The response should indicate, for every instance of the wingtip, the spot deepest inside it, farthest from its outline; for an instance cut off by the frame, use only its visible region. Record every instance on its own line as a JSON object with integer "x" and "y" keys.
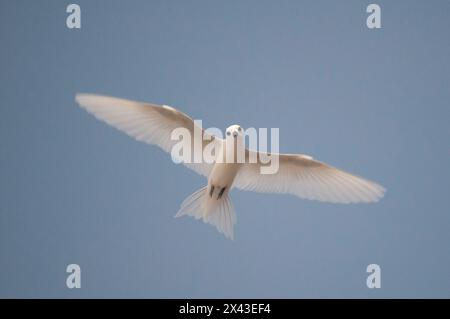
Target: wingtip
{"x": 382, "y": 192}
{"x": 80, "y": 98}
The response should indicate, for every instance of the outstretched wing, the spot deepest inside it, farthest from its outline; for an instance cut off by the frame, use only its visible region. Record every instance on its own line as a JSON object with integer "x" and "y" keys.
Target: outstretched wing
{"x": 149, "y": 123}
{"x": 307, "y": 178}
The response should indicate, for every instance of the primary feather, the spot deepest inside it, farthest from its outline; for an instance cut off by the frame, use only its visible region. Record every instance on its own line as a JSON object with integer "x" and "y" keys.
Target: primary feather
{"x": 149, "y": 123}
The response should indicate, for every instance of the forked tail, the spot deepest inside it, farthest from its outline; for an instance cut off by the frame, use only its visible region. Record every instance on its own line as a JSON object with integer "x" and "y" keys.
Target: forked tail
{"x": 217, "y": 212}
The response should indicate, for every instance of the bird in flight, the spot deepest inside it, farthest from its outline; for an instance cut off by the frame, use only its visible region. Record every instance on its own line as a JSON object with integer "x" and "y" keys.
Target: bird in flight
{"x": 297, "y": 174}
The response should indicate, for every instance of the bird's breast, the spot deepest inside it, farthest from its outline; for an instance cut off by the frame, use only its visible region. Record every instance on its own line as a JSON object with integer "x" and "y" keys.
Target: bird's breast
{"x": 223, "y": 174}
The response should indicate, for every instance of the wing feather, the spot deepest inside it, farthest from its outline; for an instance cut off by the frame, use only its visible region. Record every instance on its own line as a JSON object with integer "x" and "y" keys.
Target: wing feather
{"x": 302, "y": 176}
{"x": 148, "y": 123}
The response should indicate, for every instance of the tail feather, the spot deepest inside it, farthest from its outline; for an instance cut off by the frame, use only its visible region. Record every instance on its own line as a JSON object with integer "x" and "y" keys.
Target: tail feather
{"x": 192, "y": 205}
{"x": 219, "y": 213}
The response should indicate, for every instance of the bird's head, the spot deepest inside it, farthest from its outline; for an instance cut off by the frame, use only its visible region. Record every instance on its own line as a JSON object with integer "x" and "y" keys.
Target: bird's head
{"x": 235, "y": 132}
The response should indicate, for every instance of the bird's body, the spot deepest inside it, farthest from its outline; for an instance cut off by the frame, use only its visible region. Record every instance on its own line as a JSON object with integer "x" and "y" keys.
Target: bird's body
{"x": 224, "y": 171}
{"x": 298, "y": 174}
{"x": 212, "y": 203}
{"x": 222, "y": 177}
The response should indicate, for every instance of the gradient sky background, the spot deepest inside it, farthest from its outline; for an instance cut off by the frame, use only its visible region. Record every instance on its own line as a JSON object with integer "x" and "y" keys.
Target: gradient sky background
{"x": 373, "y": 102}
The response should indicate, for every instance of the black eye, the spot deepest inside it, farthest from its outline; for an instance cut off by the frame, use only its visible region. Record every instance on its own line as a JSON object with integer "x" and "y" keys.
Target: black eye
{"x": 228, "y": 133}
{"x": 240, "y": 129}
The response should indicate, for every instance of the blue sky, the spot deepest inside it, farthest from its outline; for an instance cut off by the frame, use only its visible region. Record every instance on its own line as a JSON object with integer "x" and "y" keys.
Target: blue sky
{"x": 373, "y": 102}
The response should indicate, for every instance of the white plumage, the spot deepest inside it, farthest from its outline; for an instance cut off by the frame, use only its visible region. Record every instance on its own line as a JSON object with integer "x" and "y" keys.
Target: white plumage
{"x": 298, "y": 174}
